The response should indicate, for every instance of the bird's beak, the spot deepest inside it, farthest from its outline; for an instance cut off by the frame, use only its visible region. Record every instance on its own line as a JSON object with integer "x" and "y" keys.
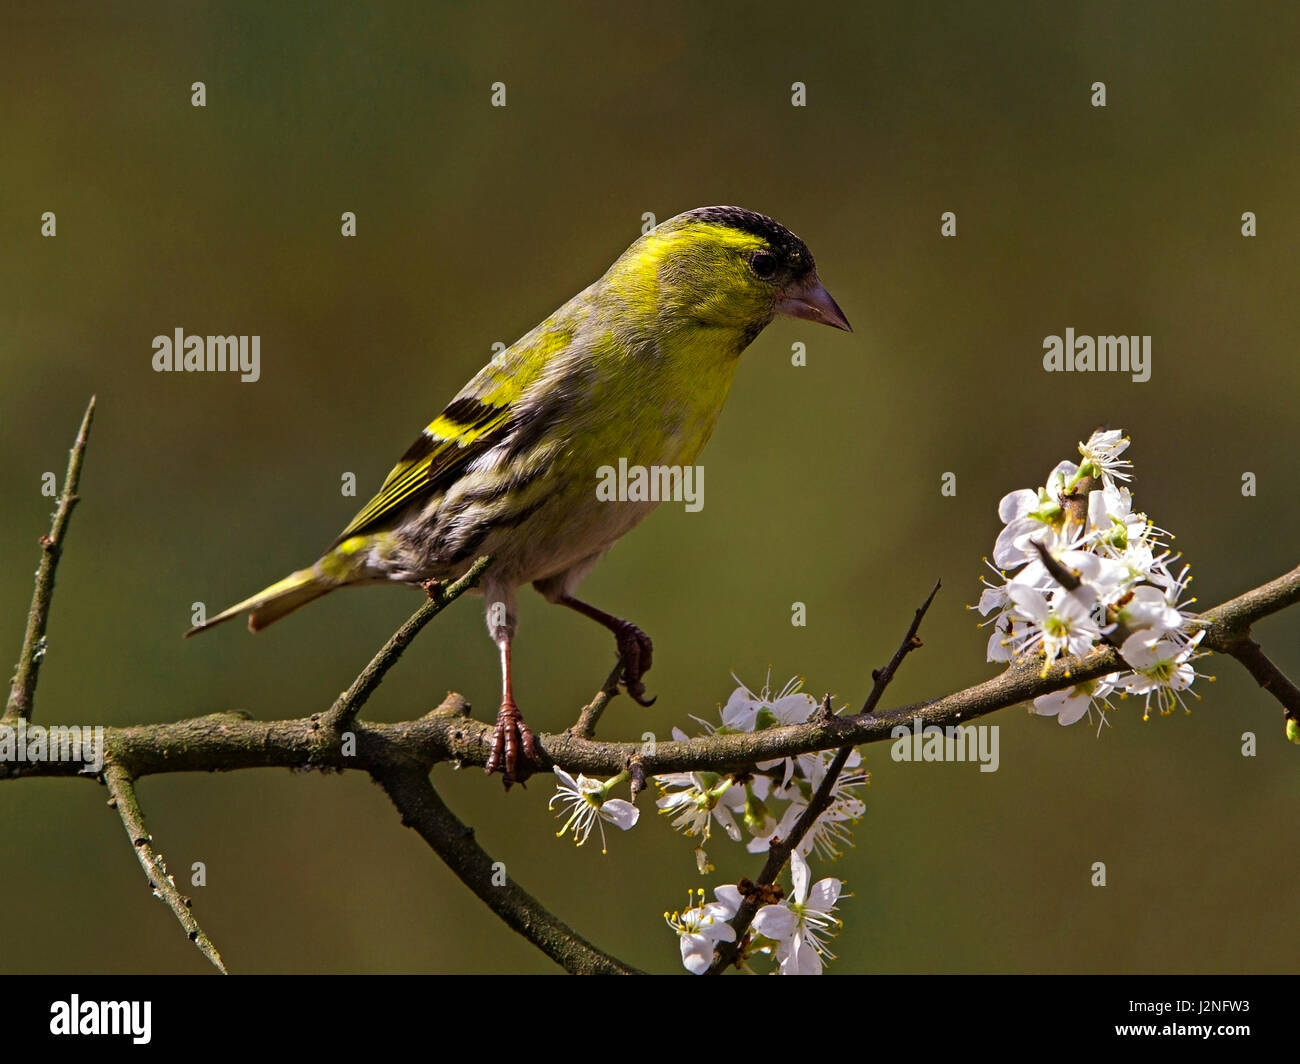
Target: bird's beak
{"x": 810, "y": 300}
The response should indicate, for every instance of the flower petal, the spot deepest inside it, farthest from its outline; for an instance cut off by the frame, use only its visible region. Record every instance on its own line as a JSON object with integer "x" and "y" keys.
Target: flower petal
{"x": 697, "y": 953}
{"x": 1017, "y": 504}
{"x": 824, "y": 894}
{"x": 804, "y": 958}
{"x": 799, "y": 877}
{"x": 729, "y": 897}
{"x": 775, "y": 922}
{"x": 1073, "y": 710}
{"x": 622, "y": 814}
{"x": 793, "y": 709}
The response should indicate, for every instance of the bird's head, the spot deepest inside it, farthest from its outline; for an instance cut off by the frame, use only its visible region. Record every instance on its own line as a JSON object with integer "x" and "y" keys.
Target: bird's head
{"x": 724, "y": 267}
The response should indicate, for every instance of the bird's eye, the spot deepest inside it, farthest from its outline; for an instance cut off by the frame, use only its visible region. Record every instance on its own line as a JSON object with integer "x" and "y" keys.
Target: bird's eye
{"x": 764, "y": 265}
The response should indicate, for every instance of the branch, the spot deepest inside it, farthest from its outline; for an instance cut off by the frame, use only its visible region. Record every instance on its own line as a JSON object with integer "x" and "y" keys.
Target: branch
{"x": 1227, "y": 630}
{"x": 881, "y": 678}
{"x": 123, "y": 799}
{"x": 1067, "y": 578}
{"x": 1235, "y": 616}
{"x": 779, "y": 851}
{"x": 400, "y": 756}
{"x": 339, "y": 717}
{"x": 23, "y": 688}
{"x": 226, "y": 741}
{"x": 424, "y": 810}
{"x": 1269, "y": 676}
{"x": 585, "y": 726}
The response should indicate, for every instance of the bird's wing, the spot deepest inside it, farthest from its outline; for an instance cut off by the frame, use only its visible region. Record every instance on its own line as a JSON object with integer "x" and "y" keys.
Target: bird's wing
{"x": 464, "y": 430}
{"x": 485, "y": 412}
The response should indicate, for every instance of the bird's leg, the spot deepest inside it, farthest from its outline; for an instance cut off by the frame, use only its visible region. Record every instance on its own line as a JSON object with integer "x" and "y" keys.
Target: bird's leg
{"x": 634, "y": 646}
{"x": 512, "y": 735}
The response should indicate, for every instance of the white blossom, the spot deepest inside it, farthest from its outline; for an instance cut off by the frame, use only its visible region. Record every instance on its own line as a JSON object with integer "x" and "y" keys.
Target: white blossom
{"x": 701, "y": 926}
{"x": 1121, "y": 586}
{"x": 588, "y": 804}
{"x": 801, "y": 923}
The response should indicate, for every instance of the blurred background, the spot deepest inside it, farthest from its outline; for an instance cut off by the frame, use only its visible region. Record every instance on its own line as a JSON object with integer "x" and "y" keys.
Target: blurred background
{"x": 823, "y": 482}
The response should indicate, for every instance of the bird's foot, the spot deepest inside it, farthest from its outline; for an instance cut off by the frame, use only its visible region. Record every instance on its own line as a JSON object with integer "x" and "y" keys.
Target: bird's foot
{"x": 511, "y": 737}
{"x": 636, "y": 651}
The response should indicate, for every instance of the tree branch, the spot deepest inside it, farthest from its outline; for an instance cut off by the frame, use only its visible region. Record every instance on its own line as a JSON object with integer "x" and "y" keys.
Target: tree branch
{"x": 227, "y": 741}
{"x": 1234, "y": 617}
{"x": 1267, "y": 675}
{"x": 881, "y": 678}
{"x": 23, "y": 688}
{"x": 424, "y": 810}
{"x": 400, "y": 756}
{"x": 123, "y": 799}
{"x": 339, "y": 717}
{"x": 1228, "y": 630}
{"x": 585, "y": 726}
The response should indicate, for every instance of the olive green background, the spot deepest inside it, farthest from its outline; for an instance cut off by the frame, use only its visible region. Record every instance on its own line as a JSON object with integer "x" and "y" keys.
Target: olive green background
{"x": 822, "y": 483}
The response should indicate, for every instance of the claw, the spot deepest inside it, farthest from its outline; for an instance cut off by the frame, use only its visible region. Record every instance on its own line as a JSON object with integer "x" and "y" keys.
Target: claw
{"x": 510, "y": 737}
{"x": 637, "y": 652}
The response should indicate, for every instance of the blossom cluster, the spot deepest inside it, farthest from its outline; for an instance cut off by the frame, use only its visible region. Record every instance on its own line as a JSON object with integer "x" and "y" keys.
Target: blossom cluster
{"x": 1079, "y": 566}
{"x": 755, "y": 808}
{"x": 749, "y": 804}
{"x": 793, "y": 929}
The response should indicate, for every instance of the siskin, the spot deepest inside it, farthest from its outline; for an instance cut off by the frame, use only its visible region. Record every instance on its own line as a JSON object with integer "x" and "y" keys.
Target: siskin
{"x": 637, "y": 366}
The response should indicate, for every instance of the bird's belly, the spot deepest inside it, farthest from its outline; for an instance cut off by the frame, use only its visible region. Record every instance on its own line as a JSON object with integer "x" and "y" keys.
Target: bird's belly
{"x": 562, "y": 533}
{"x": 559, "y": 522}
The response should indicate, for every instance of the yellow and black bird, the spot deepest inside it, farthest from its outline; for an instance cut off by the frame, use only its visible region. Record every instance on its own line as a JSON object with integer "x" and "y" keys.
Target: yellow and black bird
{"x": 637, "y": 366}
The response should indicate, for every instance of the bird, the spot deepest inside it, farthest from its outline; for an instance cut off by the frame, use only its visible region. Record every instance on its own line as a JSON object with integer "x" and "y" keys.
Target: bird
{"x": 637, "y": 366}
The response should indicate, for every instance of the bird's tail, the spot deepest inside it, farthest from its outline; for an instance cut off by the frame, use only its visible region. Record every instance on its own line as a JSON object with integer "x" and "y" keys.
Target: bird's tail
{"x": 345, "y": 564}
{"x": 274, "y": 602}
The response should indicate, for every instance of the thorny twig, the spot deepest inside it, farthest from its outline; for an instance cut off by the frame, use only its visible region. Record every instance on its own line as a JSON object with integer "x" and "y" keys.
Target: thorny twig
{"x": 23, "y": 688}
